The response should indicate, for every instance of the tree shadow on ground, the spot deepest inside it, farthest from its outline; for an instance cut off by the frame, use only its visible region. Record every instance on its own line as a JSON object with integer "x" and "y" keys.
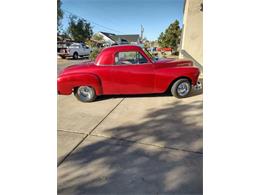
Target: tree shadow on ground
{"x": 118, "y": 164}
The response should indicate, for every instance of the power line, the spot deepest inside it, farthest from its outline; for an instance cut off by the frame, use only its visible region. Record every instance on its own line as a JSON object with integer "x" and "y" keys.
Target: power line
{"x": 93, "y": 22}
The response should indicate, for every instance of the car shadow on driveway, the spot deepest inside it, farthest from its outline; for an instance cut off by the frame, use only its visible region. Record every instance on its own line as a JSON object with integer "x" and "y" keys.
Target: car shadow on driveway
{"x": 108, "y": 165}
{"x": 167, "y": 94}
{"x": 192, "y": 93}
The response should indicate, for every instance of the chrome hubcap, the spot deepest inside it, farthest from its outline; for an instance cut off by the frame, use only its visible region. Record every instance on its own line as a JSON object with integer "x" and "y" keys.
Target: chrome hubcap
{"x": 183, "y": 89}
{"x": 85, "y": 93}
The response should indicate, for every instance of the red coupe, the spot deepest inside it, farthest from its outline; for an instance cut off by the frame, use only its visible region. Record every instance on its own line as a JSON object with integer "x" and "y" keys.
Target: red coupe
{"x": 127, "y": 69}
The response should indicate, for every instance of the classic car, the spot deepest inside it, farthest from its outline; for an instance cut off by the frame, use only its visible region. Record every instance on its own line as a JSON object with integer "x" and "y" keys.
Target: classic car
{"x": 127, "y": 69}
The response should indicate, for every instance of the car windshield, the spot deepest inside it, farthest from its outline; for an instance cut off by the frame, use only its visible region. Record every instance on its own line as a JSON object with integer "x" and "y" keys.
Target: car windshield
{"x": 149, "y": 54}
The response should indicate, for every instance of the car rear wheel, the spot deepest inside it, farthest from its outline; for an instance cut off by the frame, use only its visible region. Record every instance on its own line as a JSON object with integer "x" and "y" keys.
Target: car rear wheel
{"x": 85, "y": 94}
{"x": 75, "y": 55}
{"x": 181, "y": 88}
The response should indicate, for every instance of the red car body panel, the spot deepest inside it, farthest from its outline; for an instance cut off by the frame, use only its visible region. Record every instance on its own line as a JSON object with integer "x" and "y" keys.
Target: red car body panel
{"x": 107, "y": 78}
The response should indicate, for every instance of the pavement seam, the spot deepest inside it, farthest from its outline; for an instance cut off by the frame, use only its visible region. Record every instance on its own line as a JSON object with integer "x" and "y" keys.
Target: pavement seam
{"x": 148, "y": 144}
{"x": 86, "y": 135}
{"x": 74, "y": 148}
{"x": 68, "y": 131}
{"x": 106, "y": 116}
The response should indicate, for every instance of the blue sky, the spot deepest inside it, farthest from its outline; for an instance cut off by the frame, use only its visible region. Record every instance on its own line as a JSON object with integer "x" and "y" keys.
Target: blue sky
{"x": 126, "y": 16}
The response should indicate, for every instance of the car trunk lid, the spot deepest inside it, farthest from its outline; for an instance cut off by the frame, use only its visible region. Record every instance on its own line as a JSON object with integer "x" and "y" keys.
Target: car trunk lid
{"x": 77, "y": 68}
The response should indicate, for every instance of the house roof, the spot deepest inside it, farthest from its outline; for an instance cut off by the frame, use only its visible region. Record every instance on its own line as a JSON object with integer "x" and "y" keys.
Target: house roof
{"x": 109, "y": 35}
{"x": 129, "y": 38}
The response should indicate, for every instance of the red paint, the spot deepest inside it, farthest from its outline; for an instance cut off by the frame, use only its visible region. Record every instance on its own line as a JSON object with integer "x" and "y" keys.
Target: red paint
{"x": 107, "y": 78}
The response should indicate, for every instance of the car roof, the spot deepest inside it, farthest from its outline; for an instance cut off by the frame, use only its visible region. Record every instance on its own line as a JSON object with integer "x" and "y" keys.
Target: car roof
{"x": 123, "y": 47}
{"x": 106, "y": 56}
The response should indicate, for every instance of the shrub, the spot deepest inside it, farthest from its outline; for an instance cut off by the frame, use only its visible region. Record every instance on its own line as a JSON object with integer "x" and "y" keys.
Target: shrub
{"x": 94, "y": 53}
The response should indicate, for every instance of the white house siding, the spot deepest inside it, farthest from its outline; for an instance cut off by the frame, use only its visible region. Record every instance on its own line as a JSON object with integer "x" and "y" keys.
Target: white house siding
{"x": 192, "y": 35}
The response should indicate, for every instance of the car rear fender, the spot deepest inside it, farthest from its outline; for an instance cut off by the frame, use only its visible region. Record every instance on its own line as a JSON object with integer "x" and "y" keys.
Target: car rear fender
{"x": 68, "y": 83}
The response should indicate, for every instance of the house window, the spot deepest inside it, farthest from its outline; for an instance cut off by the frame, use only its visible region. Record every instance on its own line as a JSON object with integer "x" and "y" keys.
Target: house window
{"x": 130, "y": 57}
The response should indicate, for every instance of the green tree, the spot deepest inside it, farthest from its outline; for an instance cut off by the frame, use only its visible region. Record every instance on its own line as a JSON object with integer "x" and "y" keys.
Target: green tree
{"x": 171, "y": 37}
{"x": 161, "y": 40}
{"x": 94, "y": 53}
{"x": 59, "y": 15}
{"x": 79, "y": 29}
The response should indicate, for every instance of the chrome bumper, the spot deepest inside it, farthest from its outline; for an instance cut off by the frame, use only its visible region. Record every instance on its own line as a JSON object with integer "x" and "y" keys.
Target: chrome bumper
{"x": 198, "y": 86}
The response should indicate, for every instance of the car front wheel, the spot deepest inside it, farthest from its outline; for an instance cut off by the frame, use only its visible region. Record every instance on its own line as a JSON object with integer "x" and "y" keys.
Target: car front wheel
{"x": 85, "y": 94}
{"x": 181, "y": 88}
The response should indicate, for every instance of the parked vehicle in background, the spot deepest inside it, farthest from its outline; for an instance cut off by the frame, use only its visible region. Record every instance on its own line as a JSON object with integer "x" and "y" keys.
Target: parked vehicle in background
{"x": 74, "y": 50}
{"x": 164, "y": 49}
{"x": 62, "y": 45}
{"x": 127, "y": 69}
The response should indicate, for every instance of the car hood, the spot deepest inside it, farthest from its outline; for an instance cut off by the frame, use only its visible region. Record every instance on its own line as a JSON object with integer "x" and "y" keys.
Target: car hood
{"x": 172, "y": 62}
{"x": 165, "y": 60}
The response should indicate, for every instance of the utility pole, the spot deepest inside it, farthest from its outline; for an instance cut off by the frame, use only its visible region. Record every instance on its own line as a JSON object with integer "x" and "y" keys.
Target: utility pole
{"x": 142, "y": 32}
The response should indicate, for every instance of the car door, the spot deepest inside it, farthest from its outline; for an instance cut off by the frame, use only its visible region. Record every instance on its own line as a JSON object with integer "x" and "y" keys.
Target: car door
{"x": 81, "y": 50}
{"x": 132, "y": 73}
{"x": 87, "y": 50}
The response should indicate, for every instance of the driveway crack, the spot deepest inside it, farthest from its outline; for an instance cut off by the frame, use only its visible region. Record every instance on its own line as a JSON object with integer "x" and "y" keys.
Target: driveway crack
{"x": 149, "y": 144}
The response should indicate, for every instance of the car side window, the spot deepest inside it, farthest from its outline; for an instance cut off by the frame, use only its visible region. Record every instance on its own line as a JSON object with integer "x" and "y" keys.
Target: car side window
{"x": 75, "y": 46}
{"x": 141, "y": 58}
{"x": 130, "y": 57}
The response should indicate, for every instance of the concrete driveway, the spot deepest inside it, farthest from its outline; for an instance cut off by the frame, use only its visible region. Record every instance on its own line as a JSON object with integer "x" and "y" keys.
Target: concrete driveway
{"x": 148, "y": 144}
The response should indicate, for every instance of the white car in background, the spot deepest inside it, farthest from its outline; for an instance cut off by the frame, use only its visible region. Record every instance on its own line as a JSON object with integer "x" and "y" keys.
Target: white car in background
{"x": 75, "y": 50}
